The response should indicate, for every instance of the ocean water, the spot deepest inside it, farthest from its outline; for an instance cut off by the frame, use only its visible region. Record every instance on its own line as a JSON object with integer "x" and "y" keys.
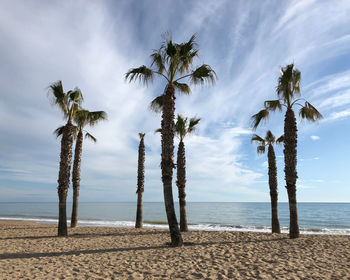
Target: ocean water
{"x": 314, "y": 218}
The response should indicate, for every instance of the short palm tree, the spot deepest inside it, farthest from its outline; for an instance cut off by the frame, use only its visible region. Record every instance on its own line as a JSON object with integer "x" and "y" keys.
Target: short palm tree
{"x": 173, "y": 62}
{"x": 288, "y": 89}
{"x": 183, "y": 127}
{"x": 140, "y": 180}
{"x": 269, "y": 141}
{"x": 69, "y": 104}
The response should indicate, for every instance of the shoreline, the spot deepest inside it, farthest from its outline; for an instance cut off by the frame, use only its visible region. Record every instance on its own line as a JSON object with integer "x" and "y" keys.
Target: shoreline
{"x": 31, "y": 250}
{"x": 192, "y": 227}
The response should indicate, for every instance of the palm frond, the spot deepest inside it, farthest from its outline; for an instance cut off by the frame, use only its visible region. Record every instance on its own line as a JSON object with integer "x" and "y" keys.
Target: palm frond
{"x": 75, "y": 107}
{"x": 257, "y": 118}
{"x": 183, "y": 88}
{"x": 273, "y": 105}
{"x": 173, "y": 68}
{"x": 188, "y": 47}
{"x": 96, "y": 116}
{"x": 59, "y": 131}
{"x": 143, "y": 74}
{"x": 81, "y": 117}
{"x": 170, "y": 48}
{"x": 260, "y": 149}
{"x": 180, "y": 126}
{"x": 280, "y": 139}
{"x": 59, "y": 98}
{"x": 192, "y": 124}
{"x": 158, "y": 61}
{"x": 309, "y": 112}
{"x": 187, "y": 53}
{"x": 76, "y": 96}
{"x": 257, "y": 139}
{"x": 203, "y": 74}
{"x": 296, "y": 81}
{"x": 158, "y": 130}
{"x": 157, "y": 104}
{"x": 288, "y": 83}
{"x": 187, "y": 61}
{"x": 89, "y": 136}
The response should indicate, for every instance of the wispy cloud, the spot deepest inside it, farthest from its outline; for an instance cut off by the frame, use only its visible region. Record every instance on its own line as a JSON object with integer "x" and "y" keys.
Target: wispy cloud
{"x": 338, "y": 115}
{"x": 315, "y": 137}
{"x": 300, "y": 186}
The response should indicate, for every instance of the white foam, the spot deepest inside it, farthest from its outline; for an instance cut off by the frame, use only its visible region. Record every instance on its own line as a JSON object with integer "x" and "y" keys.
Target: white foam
{"x": 199, "y": 227}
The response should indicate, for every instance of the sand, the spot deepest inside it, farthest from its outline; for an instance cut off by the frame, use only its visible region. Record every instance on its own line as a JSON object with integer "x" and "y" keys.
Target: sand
{"x": 32, "y": 251}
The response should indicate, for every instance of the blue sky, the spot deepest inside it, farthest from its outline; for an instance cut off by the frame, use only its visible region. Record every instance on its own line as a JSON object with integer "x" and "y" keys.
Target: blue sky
{"x": 91, "y": 44}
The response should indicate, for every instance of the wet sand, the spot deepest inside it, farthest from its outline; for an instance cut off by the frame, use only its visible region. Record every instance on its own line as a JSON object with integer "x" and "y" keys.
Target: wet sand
{"x": 32, "y": 251}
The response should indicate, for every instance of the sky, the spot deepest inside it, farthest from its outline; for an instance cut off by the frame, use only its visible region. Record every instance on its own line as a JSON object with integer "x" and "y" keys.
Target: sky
{"x": 92, "y": 44}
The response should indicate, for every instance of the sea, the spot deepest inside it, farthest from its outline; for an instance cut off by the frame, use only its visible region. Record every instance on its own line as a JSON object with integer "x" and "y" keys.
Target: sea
{"x": 314, "y": 218}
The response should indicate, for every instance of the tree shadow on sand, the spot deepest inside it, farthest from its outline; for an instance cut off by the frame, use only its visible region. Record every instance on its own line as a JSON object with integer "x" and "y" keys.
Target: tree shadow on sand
{"x": 87, "y": 235}
{"x": 116, "y": 250}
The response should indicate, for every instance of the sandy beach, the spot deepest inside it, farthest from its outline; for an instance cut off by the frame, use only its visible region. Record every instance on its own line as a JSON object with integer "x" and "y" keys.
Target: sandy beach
{"x": 32, "y": 251}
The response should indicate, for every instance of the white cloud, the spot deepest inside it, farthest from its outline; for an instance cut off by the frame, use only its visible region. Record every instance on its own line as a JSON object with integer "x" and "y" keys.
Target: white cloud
{"x": 338, "y": 115}
{"x": 301, "y": 186}
{"x": 315, "y": 137}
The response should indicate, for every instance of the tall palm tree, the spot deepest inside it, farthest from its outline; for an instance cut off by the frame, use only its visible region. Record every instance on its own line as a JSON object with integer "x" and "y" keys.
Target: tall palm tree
{"x": 173, "y": 62}
{"x": 288, "y": 89}
{"x": 82, "y": 119}
{"x": 269, "y": 141}
{"x": 69, "y": 104}
{"x": 183, "y": 127}
{"x": 140, "y": 180}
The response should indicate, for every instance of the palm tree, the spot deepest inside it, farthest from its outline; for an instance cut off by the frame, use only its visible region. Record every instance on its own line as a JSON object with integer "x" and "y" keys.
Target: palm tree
{"x": 183, "y": 127}
{"x": 173, "y": 62}
{"x": 140, "y": 180}
{"x": 69, "y": 104}
{"x": 269, "y": 141}
{"x": 82, "y": 118}
{"x": 288, "y": 89}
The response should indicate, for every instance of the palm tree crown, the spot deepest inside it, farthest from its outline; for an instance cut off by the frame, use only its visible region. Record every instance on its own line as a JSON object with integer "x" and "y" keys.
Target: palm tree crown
{"x": 174, "y": 62}
{"x": 269, "y": 139}
{"x": 82, "y": 118}
{"x": 288, "y": 89}
{"x": 68, "y": 102}
{"x": 183, "y": 126}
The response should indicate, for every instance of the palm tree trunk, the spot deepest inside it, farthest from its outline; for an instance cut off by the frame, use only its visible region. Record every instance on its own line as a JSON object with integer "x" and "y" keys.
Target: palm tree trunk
{"x": 63, "y": 177}
{"x": 140, "y": 182}
{"x": 290, "y": 161}
{"x": 273, "y": 189}
{"x": 76, "y": 178}
{"x": 181, "y": 184}
{"x": 139, "y": 211}
{"x": 167, "y": 163}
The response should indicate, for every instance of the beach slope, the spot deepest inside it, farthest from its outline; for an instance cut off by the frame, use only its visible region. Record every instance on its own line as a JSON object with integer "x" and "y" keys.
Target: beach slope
{"x": 32, "y": 251}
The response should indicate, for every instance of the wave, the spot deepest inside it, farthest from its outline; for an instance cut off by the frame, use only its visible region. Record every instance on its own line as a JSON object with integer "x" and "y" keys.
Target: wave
{"x": 199, "y": 227}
